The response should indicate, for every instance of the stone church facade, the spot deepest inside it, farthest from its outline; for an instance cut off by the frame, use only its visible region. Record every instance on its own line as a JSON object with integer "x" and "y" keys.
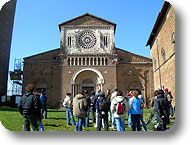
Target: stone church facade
{"x": 88, "y": 59}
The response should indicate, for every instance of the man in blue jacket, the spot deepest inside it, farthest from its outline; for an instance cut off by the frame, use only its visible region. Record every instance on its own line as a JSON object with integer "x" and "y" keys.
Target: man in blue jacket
{"x": 43, "y": 99}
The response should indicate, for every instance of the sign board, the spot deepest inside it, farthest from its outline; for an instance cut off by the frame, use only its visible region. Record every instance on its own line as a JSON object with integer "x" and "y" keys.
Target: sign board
{"x": 17, "y": 99}
{"x": 3, "y": 98}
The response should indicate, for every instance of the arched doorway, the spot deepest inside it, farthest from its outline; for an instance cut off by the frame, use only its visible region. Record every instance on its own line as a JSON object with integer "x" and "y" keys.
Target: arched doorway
{"x": 87, "y": 78}
{"x": 88, "y": 84}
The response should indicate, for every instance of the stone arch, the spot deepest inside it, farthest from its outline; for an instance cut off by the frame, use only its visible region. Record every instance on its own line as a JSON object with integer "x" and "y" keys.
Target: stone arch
{"x": 86, "y": 73}
{"x": 101, "y": 78}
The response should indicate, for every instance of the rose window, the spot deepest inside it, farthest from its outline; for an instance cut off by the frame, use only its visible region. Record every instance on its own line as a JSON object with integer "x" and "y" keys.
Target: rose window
{"x": 86, "y": 39}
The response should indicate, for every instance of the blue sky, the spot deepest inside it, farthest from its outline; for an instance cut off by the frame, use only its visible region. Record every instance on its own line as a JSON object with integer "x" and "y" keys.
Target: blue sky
{"x": 36, "y": 23}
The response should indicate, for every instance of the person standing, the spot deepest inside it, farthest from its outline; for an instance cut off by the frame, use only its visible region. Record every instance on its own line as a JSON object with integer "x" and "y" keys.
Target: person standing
{"x": 113, "y": 95}
{"x": 108, "y": 97}
{"x": 92, "y": 106}
{"x": 102, "y": 107}
{"x": 39, "y": 119}
{"x": 162, "y": 110}
{"x": 88, "y": 103}
{"x": 29, "y": 107}
{"x": 169, "y": 97}
{"x": 68, "y": 106}
{"x": 153, "y": 112}
{"x": 80, "y": 109}
{"x": 119, "y": 107}
{"x": 135, "y": 108}
{"x": 95, "y": 100}
{"x": 142, "y": 107}
{"x": 43, "y": 99}
{"x": 129, "y": 95}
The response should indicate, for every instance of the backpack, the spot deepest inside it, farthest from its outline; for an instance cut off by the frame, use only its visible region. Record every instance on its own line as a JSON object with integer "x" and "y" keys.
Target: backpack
{"x": 81, "y": 105}
{"x": 65, "y": 103}
{"x": 103, "y": 105}
{"x": 120, "y": 108}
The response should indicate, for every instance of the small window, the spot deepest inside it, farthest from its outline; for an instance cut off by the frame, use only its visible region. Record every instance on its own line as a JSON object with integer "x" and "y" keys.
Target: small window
{"x": 163, "y": 54}
{"x": 105, "y": 40}
{"x": 69, "y": 41}
{"x": 154, "y": 62}
{"x": 173, "y": 37}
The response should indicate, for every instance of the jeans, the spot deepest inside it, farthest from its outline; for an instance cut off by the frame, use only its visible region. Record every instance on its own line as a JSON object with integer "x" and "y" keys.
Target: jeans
{"x": 129, "y": 119}
{"x": 120, "y": 123}
{"x": 87, "y": 118}
{"x": 44, "y": 110}
{"x": 171, "y": 110}
{"x": 143, "y": 123}
{"x": 161, "y": 123}
{"x": 150, "y": 118}
{"x": 92, "y": 113}
{"x": 99, "y": 125}
{"x": 69, "y": 111}
{"x": 135, "y": 118}
{"x": 30, "y": 120}
{"x": 113, "y": 121}
{"x": 109, "y": 115}
{"x": 79, "y": 122}
{"x": 41, "y": 125}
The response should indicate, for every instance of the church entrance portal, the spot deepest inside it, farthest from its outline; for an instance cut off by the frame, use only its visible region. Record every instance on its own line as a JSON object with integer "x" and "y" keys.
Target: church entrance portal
{"x": 88, "y": 84}
{"x": 87, "y": 79}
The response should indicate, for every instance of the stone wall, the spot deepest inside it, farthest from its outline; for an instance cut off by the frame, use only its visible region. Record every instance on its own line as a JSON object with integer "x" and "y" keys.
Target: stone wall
{"x": 7, "y": 14}
{"x": 166, "y": 45}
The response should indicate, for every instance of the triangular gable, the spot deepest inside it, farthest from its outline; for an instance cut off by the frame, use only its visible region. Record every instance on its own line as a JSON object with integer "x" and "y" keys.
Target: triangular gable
{"x": 87, "y": 19}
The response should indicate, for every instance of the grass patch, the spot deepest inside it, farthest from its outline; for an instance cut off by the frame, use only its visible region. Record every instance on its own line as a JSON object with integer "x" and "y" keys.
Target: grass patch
{"x": 56, "y": 121}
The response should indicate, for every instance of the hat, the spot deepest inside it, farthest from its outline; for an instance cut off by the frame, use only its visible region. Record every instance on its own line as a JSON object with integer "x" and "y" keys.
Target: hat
{"x": 102, "y": 94}
{"x": 166, "y": 89}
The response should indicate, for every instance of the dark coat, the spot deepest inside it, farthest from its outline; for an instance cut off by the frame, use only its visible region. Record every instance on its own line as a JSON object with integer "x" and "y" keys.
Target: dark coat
{"x": 99, "y": 101}
{"x": 29, "y": 104}
{"x": 162, "y": 105}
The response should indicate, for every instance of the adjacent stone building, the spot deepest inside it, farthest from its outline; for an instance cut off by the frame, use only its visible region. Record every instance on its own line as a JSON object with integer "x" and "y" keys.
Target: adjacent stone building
{"x": 162, "y": 47}
{"x": 87, "y": 59}
{"x": 7, "y": 13}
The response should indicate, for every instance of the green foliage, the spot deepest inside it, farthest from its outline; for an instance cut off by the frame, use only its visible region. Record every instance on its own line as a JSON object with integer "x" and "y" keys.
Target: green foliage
{"x": 56, "y": 121}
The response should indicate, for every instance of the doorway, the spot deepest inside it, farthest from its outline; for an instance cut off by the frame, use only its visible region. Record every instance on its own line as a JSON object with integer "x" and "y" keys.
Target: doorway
{"x": 88, "y": 84}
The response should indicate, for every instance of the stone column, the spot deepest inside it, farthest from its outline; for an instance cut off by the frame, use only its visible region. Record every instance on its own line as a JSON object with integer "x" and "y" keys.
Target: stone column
{"x": 85, "y": 63}
{"x": 93, "y": 61}
{"x": 97, "y": 61}
{"x": 73, "y": 90}
{"x": 89, "y": 61}
{"x": 78, "y": 61}
{"x": 70, "y": 60}
{"x": 81, "y": 61}
{"x": 101, "y": 61}
{"x": 74, "y": 61}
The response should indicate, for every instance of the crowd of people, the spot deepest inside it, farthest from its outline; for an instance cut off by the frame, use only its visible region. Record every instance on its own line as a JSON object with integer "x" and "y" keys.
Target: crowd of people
{"x": 104, "y": 108}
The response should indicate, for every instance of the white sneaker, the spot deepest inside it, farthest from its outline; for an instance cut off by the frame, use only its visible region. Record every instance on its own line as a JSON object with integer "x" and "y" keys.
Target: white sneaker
{"x": 95, "y": 126}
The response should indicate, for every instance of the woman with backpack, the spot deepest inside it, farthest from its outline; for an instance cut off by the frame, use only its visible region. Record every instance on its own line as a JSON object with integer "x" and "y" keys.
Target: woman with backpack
{"x": 119, "y": 107}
